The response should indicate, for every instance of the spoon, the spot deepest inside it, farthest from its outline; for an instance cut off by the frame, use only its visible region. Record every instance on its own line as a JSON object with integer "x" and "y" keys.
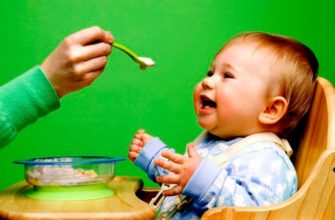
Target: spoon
{"x": 143, "y": 61}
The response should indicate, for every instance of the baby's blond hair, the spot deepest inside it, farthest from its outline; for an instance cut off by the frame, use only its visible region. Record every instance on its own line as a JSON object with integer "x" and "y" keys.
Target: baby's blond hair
{"x": 296, "y": 67}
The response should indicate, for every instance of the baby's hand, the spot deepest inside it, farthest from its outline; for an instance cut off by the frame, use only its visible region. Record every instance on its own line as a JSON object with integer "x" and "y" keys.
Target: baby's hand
{"x": 78, "y": 60}
{"x": 141, "y": 138}
{"x": 182, "y": 168}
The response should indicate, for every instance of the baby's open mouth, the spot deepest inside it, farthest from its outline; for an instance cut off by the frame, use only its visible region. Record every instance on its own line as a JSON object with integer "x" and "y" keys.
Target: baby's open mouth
{"x": 207, "y": 102}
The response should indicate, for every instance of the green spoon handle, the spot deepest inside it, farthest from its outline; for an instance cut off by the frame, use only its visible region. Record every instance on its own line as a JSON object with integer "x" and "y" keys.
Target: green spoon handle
{"x": 125, "y": 49}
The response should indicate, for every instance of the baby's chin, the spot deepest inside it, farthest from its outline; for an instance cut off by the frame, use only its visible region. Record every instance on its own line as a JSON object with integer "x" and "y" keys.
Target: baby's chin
{"x": 203, "y": 124}
{"x": 206, "y": 126}
{"x": 212, "y": 129}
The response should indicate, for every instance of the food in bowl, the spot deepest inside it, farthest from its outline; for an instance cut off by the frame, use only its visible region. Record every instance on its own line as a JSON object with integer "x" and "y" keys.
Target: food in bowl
{"x": 69, "y": 171}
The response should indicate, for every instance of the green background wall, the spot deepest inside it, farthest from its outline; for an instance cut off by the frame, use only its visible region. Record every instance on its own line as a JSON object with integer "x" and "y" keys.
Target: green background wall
{"x": 180, "y": 35}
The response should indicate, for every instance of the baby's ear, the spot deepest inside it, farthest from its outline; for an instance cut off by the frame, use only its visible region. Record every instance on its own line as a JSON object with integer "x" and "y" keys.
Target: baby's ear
{"x": 273, "y": 111}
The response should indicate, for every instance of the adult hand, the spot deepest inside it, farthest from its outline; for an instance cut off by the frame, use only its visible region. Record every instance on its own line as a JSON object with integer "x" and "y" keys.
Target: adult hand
{"x": 78, "y": 60}
{"x": 181, "y": 168}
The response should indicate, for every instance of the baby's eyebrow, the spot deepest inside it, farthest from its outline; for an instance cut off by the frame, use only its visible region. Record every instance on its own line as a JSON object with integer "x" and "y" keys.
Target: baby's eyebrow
{"x": 228, "y": 66}
{"x": 224, "y": 65}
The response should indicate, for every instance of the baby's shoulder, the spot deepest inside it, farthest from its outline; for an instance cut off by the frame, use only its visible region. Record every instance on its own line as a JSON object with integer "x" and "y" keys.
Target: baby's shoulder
{"x": 263, "y": 152}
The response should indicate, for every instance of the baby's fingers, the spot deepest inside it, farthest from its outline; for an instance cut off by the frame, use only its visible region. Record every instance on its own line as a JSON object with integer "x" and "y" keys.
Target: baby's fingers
{"x": 168, "y": 165}
{"x": 191, "y": 151}
{"x": 168, "y": 179}
{"x": 132, "y": 155}
{"x": 174, "y": 191}
{"x": 177, "y": 158}
{"x": 141, "y": 131}
{"x": 137, "y": 142}
{"x": 135, "y": 148}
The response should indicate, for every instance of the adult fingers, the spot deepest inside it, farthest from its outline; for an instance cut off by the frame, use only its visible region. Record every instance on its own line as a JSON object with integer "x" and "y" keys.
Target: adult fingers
{"x": 92, "y": 65}
{"x": 91, "y": 34}
{"x": 86, "y": 79}
{"x": 94, "y": 50}
{"x": 78, "y": 82}
{"x": 91, "y": 76}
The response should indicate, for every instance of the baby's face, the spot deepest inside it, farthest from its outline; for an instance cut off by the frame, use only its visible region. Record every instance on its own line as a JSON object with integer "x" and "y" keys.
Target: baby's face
{"x": 230, "y": 98}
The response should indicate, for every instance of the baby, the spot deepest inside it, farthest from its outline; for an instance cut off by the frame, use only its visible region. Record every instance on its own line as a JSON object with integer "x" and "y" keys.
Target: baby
{"x": 257, "y": 89}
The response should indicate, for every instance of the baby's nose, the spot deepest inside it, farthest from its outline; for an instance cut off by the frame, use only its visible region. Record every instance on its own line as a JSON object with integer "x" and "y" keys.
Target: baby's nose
{"x": 208, "y": 83}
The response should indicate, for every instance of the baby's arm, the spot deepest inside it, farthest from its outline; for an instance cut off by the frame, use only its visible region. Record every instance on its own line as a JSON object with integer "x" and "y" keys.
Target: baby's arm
{"x": 181, "y": 168}
{"x": 255, "y": 178}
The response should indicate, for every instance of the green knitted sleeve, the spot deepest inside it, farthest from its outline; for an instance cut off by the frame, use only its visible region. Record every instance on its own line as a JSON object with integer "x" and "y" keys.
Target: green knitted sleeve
{"x": 24, "y": 100}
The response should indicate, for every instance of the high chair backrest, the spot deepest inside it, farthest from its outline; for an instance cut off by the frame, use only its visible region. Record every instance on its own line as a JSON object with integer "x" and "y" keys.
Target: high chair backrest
{"x": 314, "y": 161}
{"x": 319, "y": 133}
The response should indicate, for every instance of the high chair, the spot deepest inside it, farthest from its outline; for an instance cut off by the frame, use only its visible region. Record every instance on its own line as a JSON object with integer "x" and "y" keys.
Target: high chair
{"x": 314, "y": 160}
{"x": 315, "y": 165}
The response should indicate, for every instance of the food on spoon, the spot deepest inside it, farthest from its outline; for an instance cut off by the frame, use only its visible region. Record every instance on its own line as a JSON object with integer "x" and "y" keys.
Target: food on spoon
{"x": 146, "y": 62}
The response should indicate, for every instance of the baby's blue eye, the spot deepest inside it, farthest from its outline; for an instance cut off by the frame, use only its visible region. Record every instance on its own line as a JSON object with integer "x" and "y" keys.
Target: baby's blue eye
{"x": 210, "y": 73}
